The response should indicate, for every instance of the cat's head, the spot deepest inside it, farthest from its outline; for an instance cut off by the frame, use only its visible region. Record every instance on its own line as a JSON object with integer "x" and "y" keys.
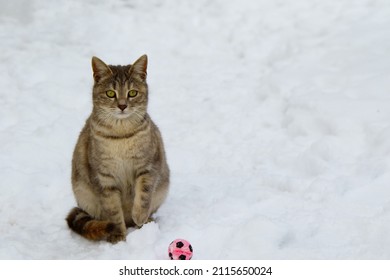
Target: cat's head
{"x": 120, "y": 92}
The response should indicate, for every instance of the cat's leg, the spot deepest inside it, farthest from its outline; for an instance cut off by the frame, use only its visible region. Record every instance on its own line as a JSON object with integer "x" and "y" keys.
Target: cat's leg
{"x": 144, "y": 188}
{"x": 111, "y": 203}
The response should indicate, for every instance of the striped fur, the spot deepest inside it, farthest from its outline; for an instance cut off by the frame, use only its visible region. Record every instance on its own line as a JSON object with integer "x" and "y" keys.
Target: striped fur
{"x": 82, "y": 223}
{"x": 119, "y": 171}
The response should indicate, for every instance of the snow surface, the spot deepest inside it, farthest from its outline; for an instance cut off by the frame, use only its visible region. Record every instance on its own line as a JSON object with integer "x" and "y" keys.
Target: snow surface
{"x": 275, "y": 116}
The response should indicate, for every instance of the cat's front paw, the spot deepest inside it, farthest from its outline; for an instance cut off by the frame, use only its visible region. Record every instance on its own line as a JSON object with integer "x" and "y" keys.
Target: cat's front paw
{"x": 115, "y": 238}
{"x": 118, "y": 234}
{"x": 140, "y": 216}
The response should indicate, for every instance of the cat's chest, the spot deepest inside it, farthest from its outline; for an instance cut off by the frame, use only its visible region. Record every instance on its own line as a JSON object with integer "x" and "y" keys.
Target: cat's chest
{"x": 122, "y": 144}
{"x": 124, "y": 153}
{"x": 122, "y": 157}
{"x": 124, "y": 170}
{"x": 120, "y": 149}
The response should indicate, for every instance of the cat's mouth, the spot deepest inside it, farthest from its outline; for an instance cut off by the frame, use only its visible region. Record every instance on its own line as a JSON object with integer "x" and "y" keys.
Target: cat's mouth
{"x": 127, "y": 113}
{"x": 122, "y": 114}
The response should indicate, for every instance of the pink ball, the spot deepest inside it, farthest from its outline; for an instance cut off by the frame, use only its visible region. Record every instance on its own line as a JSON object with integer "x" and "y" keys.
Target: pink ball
{"x": 180, "y": 249}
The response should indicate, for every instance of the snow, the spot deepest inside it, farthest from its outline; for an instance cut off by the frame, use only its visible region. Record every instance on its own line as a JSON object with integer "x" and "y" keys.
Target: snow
{"x": 275, "y": 116}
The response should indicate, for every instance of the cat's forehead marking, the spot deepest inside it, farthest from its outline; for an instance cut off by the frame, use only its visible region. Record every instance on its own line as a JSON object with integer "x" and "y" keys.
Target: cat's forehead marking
{"x": 121, "y": 75}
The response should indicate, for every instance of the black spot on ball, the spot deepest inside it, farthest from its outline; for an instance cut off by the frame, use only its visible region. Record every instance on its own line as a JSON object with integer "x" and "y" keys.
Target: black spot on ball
{"x": 190, "y": 248}
{"x": 182, "y": 257}
{"x": 170, "y": 256}
{"x": 179, "y": 244}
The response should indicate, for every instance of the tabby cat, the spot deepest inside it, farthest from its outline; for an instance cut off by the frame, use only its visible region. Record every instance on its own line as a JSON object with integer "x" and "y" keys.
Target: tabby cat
{"x": 120, "y": 176}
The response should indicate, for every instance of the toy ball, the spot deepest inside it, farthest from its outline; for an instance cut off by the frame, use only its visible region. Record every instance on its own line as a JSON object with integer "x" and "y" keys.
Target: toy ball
{"x": 180, "y": 249}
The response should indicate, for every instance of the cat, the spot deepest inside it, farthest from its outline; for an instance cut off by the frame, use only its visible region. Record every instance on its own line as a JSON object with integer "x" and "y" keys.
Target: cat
{"x": 120, "y": 175}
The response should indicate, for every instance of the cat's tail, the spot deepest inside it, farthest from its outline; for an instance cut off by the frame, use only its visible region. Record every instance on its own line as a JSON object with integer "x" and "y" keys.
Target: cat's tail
{"x": 82, "y": 223}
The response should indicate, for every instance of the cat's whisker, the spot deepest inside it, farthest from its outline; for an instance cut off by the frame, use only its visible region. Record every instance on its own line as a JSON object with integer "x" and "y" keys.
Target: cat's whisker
{"x": 139, "y": 115}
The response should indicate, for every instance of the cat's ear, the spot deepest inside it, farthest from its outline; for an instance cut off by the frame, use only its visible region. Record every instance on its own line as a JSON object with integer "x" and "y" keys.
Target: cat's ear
{"x": 139, "y": 67}
{"x": 100, "y": 69}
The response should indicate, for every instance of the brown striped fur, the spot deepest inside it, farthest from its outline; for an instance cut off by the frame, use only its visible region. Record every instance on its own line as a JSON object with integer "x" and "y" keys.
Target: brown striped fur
{"x": 120, "y": 176}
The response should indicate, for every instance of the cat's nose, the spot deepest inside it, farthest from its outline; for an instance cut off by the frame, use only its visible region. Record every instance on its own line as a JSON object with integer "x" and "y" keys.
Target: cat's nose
{"x": 122, "y": 107}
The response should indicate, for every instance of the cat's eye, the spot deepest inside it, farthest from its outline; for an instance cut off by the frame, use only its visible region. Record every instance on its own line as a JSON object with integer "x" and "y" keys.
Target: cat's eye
{"x": 111, "y": 93}
{"x": 133, "y": 93}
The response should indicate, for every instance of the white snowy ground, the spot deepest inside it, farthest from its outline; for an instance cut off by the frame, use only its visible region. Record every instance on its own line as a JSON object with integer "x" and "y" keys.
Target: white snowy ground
{"x": 275, "y": 116}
